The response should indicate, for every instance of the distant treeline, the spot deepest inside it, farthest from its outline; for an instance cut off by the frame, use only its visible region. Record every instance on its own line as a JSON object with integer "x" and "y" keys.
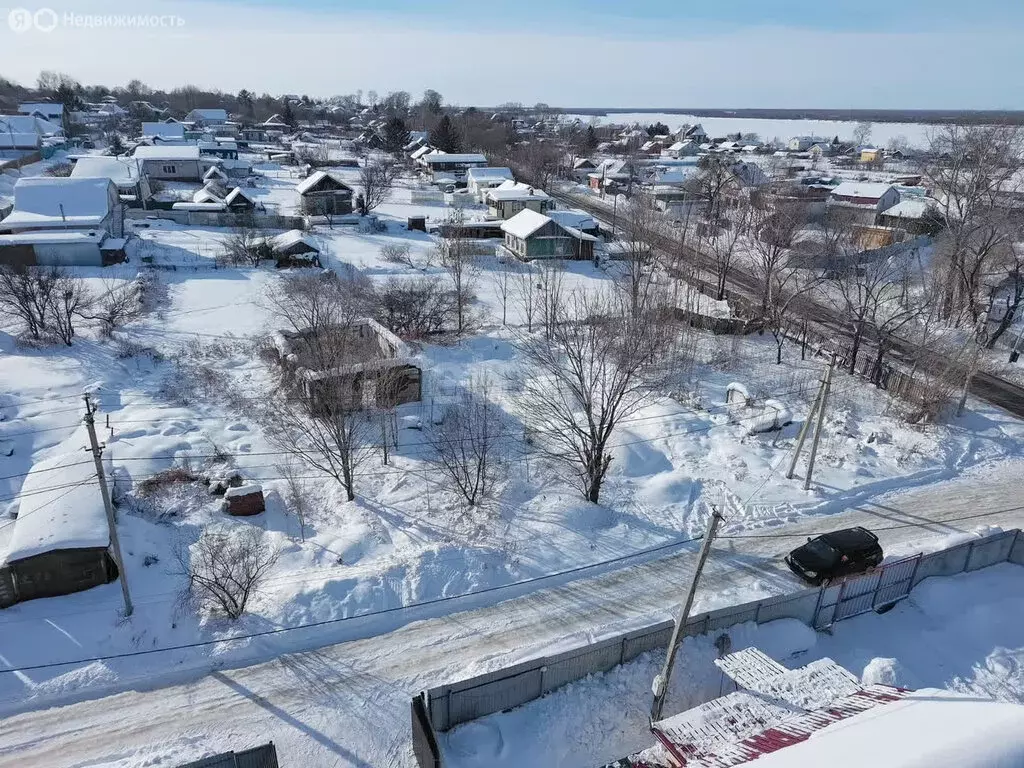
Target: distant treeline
{"x": 985, "y": 116}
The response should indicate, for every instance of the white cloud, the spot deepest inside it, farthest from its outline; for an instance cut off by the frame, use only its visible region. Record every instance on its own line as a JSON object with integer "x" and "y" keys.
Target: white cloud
{"x": 285, "y": 50}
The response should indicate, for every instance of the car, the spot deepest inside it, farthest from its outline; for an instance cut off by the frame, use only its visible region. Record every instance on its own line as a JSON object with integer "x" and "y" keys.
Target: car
{"x": 836, "y": 554}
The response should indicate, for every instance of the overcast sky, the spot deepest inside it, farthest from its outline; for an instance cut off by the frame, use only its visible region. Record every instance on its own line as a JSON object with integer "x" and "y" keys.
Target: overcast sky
{"x": 635, "y": 53}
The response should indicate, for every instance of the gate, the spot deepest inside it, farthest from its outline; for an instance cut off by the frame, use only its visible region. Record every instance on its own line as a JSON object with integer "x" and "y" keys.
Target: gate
{"x": 855, "y": 595}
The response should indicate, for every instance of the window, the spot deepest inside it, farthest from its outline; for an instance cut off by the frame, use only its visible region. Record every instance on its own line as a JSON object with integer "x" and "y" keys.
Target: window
{"x": 170, "y": 169}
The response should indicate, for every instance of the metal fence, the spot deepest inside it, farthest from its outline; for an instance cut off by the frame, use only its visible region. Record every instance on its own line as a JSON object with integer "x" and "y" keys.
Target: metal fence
{"x": 448, "y": 705}
{"x": 264, "y": 756}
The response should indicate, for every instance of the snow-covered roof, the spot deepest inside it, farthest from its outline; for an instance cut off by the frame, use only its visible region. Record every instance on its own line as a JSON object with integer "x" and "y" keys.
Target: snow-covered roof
{"x": 60, "y": 201}
{"x": 928, "y": 727}
{"x": 165, "y": 152}
{"x": 120, "y": 170}
{"x": 314, "y": 179}
{"x": 28, "y": 124}
{"x": 424, "y": 150}
{"x": 164, "y": 130}
{"x": 237, "y": 194}
{"x": 46, "y": 109}
{"x": 208, "y": 114}
{"x": 872, "y": 190}
{"x": 214, "y": 172}
{"x": 291, "y": 238}
{"x": 572, "y": 219}
{"x": 60, "y": 507}
{"x": 462, "y": 157}
{"x": 206, "y": 195}
{"x": 19, "y": 140}
{"x": 56, "y": 236}
{"x": 487, "y": 172}
{"x": 915, "y": 208}
{"x": 524, "y": 223}
{"x": 516, "y": 191}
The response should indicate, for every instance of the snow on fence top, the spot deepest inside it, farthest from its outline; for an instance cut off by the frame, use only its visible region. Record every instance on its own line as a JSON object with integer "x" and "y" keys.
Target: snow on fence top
{"x": 59, "y": 507}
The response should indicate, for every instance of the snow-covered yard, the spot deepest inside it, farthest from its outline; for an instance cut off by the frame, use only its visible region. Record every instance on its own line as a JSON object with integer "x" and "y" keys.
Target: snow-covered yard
{"x": 963, "y": 634}
{"x": 186, "y": 381}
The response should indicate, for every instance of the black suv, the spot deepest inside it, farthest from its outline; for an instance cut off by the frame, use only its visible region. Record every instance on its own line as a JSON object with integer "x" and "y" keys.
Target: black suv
{"x": 840, "y": 553}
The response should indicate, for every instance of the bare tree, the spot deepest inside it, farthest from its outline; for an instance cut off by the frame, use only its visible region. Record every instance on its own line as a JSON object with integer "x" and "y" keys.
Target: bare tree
{"x": 397, "y": 253}
{"x": 68, "y": 300}
{"x": 722, "y": 240}
{"x": 116, "y": 304}
{"x": 296, "y": 496}
{"x": 502, "y": 280}
{"x": 597, "y": 368}
{"x": 26, "y": 294}
{"x": 226, "y": 568}
{"x": 246, "y": 245}
{"x": 416, "y": 308}
{"x": 971, "y": 170}
{"x": 550, "y": 293}
{"x": 527, "y": 291}
{"x": 774, "y": 226}
{"x": 377, "y": 179}
{"x": 862, "y": 133}
{"x": 456, "y": 257}
{"x": 466, "y": 442}
{"x": 638, "y": 279}
{"x": 320, "y": 418}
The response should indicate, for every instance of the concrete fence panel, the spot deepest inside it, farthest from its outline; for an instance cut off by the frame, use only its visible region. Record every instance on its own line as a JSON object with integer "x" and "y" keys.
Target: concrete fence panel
{"x": 990, "y": 551}
{"x": 578, "y": 663}
{"x": 1017, "y": 551}
{"x": 641, "y": 641}
{"x": 449, "y": 705}
{"x": 943, "y": 563}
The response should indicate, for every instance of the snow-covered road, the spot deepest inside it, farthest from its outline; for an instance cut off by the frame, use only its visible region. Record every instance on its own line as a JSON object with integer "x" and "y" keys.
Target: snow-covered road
{"x": 348, "y": 704}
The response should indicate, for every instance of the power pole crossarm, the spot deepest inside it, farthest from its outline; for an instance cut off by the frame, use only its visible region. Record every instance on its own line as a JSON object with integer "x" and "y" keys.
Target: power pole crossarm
{"x": 115, "y": 544}
{"x": 660, "y": 686}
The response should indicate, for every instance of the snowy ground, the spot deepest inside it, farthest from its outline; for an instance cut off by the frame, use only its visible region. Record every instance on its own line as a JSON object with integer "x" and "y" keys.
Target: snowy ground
{"x": 963, "y": 634}
{"x": 185, "y": 380}
{"x": 348, "y": 705}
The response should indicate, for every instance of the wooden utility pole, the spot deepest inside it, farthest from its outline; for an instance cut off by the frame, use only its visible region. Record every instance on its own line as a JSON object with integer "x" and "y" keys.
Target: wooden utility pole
{"x": 804, "y": 429}
{"x": 660, "y": 686}
{"x": 821, "y": 420}
{"x": 115, "y": 544}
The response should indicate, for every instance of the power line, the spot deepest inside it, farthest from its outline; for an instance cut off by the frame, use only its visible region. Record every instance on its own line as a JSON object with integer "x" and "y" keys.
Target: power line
{"x": 341, "y": 619}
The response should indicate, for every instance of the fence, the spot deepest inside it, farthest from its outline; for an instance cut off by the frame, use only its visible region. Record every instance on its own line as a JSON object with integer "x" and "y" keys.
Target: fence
{"x": 219, "y": 219}
{"x": 449, "y": 705}
{"x": 264, "y": 756}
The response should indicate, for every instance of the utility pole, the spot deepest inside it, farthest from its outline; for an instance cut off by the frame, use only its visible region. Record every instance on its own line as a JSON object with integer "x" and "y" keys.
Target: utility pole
{"x": 660, "y": 686}
{"x": 115, "y": 544}
{"x": 804, "y": 429}
{"x": 821, "y": 420}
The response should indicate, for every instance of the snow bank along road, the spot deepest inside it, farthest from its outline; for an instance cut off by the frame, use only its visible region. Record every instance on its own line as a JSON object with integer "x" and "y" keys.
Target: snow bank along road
{"x": 348, "y": 704}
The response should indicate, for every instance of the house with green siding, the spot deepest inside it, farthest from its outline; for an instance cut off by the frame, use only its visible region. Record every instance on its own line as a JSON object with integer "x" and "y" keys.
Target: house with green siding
{"x": 530, "y": 235}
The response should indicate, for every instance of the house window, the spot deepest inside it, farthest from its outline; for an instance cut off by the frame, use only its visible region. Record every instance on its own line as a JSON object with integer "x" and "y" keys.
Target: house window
{"x": 170, "y": 169}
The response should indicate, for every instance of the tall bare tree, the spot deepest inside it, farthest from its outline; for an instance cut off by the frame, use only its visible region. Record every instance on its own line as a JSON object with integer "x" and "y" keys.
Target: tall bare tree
{"x": 773, "y": 227}
{"x": 638, "y": 279}
{"x": 598, "y": 367}
{"x": 971, "y": 170}
{"x": 466, "y": 443}
{"x": 526, "y": 290}
{"x": 377, "y": 179}
{"x": 457, "y": 258}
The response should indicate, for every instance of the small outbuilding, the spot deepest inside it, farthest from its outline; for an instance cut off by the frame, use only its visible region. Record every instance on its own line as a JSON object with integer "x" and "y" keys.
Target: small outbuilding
{"x": 245, "y": 500}
{"x": 61, "y": 537}
{"x": 323, "y": 194}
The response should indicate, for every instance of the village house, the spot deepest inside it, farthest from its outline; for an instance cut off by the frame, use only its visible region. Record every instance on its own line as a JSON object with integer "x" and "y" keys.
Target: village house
{"x": 54, "y": 113}
{"x": 581, "y": 167}
{"x": 804, "y": 143}
{"x": 865, "y": 200}
{"x": 530, "y": 235}
{"x": 126, "y": 172}
{"x": 322, "y": 194}
{"x": 681, "y": 149}
{"x": 454, "y": 166}
{"x": 63, "y": 221}
{"x": 511, "y": 197}
{"x": 871, "y": 154}
{"x": 166, "y": 132}
{"x": 41, "y": 127}
{"x": 207, "y": 117}
{"x": 915, "y": 216}
{"x": 17, "y": 145}
{"x": 171, "y": 163}
{"x": 224, "y": 148}
{"x": 60, "y": 539}
{"x": 377, "y": 369}
{"x": 480, "y": 180}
